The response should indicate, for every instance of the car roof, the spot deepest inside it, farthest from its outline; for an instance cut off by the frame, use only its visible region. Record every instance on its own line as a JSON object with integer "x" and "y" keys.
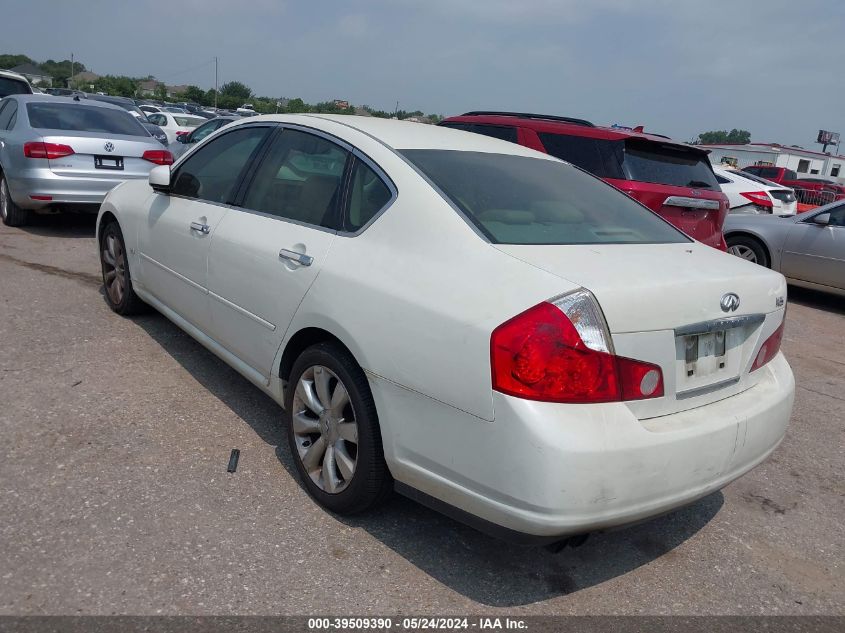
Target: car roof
{"x": 405, "y": 135}
{"x": 13, "y": 75}
{"x": 61, "y": 99}
{"x": 565, "y": 125}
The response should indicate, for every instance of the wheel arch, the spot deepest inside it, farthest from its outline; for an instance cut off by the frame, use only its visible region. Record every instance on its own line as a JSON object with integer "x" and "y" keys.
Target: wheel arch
{"x": 753, "y": 236}
{"x": 302, "y": 340}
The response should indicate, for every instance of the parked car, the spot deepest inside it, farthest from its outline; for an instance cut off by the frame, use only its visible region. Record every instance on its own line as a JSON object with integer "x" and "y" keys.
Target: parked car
{"x": 197, "y": 110}
{"x": 129, "y": 105}
{"x": 184, "y": 142}
{"x": 749, "y": 194}
{"x": 809, "y": 249}
{"x": 808, "y": 190}
{"x": 146, "y": 108}
{"x": 13, "y": 84}
{"x": 674, "y": 180}
{"x": 60, "y": 153}
{"x": 478, "y": 325}
{"x": 174, "y": 110}
{"x": 246, "y": 109}
{"x": 66, "y": 92}
{"x": 174, "y": 125}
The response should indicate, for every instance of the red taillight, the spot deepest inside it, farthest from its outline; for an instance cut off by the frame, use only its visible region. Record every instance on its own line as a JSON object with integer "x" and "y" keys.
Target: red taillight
{"x": 181, "y": 132}
{"x": 539, "y": 355}
{"x": 50, "y": 151}
{"x": 158, "y": 156}
{"x": 759, "y": 198}
{"x": 770, "y": 348}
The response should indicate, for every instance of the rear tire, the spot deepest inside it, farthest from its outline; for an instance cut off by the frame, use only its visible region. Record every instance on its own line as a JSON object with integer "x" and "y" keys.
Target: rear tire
{"x": 10, "y": 213}
{"x": 748, "y": 248}
{"x": 117, "y": 280}
{"x": 333, "y": 431}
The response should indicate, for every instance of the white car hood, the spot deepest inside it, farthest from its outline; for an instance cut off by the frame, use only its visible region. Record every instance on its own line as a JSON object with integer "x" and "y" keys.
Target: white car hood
{"x": 645, "y": 287}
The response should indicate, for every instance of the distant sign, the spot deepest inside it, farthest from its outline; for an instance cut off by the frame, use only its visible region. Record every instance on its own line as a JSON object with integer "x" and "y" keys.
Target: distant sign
{"x": 828, "y": 138}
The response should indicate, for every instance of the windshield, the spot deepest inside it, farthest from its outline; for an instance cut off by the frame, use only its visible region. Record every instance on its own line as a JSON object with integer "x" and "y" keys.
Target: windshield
{"x": 13, "y": 87}
{"x": 668, "y": 165}
{"x": 83, "y": 118}
{"x": 521, "y": 200}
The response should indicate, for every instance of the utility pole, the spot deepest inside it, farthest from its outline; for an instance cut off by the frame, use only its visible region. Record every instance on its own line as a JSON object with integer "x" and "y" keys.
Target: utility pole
{"x": 70, "y": 81}
{"x": 215, "y": 82}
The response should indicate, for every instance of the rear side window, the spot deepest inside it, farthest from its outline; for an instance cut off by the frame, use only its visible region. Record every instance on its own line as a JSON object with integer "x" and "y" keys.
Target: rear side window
{"x": 157, "y": 119}
{"x": 8, "y": 110}
{"x": 521, "y": 200}
{"x": 367, "y": 196}
{"x": 300, "y": 179}
{"x": 668, "y": 165}
{"x": 599, "y": 157}
{"x": 13, "y": 87}
{"x": 83, "y": 118}
{"x": 788, "y": 175}
{"x": 186, "y": 121}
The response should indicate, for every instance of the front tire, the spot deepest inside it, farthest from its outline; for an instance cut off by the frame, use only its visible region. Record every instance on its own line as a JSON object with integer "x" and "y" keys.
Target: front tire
{"x": 117, "y": 280}
{"x": 10, "y": 213}
{"x": 333, "y": 431}
{"x": 748, "y": 248}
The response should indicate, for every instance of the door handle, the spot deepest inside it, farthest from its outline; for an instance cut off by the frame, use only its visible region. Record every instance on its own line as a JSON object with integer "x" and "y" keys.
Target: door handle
{"x": 299, "y": 258}
{"x": 199, "y": 226}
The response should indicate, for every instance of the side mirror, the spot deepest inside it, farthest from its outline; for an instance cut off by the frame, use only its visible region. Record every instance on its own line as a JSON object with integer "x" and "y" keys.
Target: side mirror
{"x": 822, "y": 219}
{"x": 183, "y": 138}
{"x": 160, "y": 178}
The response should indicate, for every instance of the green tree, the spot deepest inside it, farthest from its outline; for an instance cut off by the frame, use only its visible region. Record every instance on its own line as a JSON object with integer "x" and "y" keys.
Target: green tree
{"x": 296, "y": 105}
{"x": 196, "y": 95}
{"x": 741, "y": 137}
{"x": 236, "y": 90}
{"x": 161, "y": 92}
{"x": 118, "y": 86}
{"x": 62, "y": 70}
{"x": 10, "y": 61}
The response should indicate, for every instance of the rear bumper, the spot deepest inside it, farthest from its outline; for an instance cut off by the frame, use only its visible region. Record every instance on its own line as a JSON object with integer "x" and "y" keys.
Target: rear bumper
{"x": 60, "y": 189}
{"x": 544, "y": 470}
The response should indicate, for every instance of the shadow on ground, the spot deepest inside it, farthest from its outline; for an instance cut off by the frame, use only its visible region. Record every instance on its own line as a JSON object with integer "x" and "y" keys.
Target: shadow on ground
{"x": 816, "y": 299}
{"x": 62, "y": 224}
{"x": 479, "y": 567}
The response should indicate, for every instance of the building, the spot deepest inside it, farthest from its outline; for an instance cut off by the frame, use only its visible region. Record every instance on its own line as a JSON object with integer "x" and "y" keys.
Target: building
{"x": 148, "y": 87}
{"x": 84, "y": 79}
{"x": 34, "y": 74}
{"x": 802, "y": 161}
{"x": 176, "y": 91}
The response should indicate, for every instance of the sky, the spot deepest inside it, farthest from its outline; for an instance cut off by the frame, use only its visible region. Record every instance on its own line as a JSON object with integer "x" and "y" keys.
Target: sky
{"x": 679, "y": 67}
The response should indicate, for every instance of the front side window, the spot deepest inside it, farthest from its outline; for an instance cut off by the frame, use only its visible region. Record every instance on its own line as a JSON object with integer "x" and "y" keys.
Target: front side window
{"x": 300, "y": 179}
{"x": 157, "y": 119}
{"x": 73, "y": 117}
{"x": 600, "y": 157}
{"x": 668, "y": 165}
{"x": 367, "y": 196}
{"x": 213, "y": 172}
{"x": 789, "y": 175}
{"x": 522, "y": 200}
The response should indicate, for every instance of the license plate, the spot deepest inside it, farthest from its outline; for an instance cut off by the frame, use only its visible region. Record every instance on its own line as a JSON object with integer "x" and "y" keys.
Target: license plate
{"x": 710, "y": 346}
{"x": 108, "y": 162}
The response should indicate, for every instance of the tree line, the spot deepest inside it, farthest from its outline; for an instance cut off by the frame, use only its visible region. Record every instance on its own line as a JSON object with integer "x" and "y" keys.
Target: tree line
{"x": 231, "y": 95}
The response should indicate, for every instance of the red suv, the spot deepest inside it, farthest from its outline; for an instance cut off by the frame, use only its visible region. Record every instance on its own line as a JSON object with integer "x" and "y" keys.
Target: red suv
{"x": 674, "y": 180}
{"x": 806, "y": 189}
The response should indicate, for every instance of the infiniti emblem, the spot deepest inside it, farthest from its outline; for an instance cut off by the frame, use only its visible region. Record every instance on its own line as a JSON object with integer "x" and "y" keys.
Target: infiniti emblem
{"x": 109, "y": 147}
{"x": 729, "y": 302}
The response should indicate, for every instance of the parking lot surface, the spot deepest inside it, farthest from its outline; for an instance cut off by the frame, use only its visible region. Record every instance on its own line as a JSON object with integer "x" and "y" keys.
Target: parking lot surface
{"x": 114, "y": 495}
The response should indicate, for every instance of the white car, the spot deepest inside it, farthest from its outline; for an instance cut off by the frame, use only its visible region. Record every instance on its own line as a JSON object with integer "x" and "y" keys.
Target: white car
{"x": 174, "y": 125}
{"x": 480, "y": 326}
{"x": 246, "y": 109}
{"x": 751, "y": 194}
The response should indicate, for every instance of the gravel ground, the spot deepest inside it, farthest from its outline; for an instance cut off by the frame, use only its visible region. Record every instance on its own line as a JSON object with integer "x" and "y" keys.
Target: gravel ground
{"x": 114, "y": 496}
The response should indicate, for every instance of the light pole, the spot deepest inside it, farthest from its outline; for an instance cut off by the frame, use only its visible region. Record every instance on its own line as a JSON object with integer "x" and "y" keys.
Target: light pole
{"x": 215, "y": 82}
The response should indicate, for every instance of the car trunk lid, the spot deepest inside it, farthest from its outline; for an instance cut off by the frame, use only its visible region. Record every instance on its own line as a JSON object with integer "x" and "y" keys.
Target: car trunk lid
{"x": 106, "y": 156}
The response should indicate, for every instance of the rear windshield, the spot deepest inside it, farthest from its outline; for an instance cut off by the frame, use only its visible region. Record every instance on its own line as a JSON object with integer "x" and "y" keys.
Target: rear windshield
{"x": 186, "y": 121}
{"x": 13, "y": 87}
{"x": 83, "y": 118}
{"x": 668, "y": 165}
{"x": 521, "y": 200}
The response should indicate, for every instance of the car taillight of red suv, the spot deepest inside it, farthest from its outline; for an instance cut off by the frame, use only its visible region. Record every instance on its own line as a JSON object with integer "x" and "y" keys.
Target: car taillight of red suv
{"x": 672, "y": 179}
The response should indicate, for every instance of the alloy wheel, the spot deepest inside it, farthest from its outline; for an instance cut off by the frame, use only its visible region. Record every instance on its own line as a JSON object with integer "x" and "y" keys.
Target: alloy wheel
{"x": 4, "y": 210}
{"x": 744, "y": 252}
{"x": 114, "y": 268}
{"x": 325, "y": 429}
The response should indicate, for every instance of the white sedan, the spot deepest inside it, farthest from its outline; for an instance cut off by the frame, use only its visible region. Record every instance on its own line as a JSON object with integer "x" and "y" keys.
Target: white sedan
{"x": 175, "y": 125}
{"x": 477, "y": 325}
{"x": 748, "y": 193}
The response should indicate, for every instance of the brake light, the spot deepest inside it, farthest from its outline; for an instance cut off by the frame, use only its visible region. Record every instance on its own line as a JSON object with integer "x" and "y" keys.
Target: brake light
{"x": 771, "y": 347}
{"x": 759, "y": 198}
{"x": 50, "y": 151}
{"x": 181, "y": 132}
{"x": 559, "y": 352}
{"x": 158, "y": 156}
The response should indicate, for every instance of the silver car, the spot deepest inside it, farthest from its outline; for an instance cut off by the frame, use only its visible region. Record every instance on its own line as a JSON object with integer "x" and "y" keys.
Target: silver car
{"x": 63, "y": 153}
{"x": 808, "y": 248}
